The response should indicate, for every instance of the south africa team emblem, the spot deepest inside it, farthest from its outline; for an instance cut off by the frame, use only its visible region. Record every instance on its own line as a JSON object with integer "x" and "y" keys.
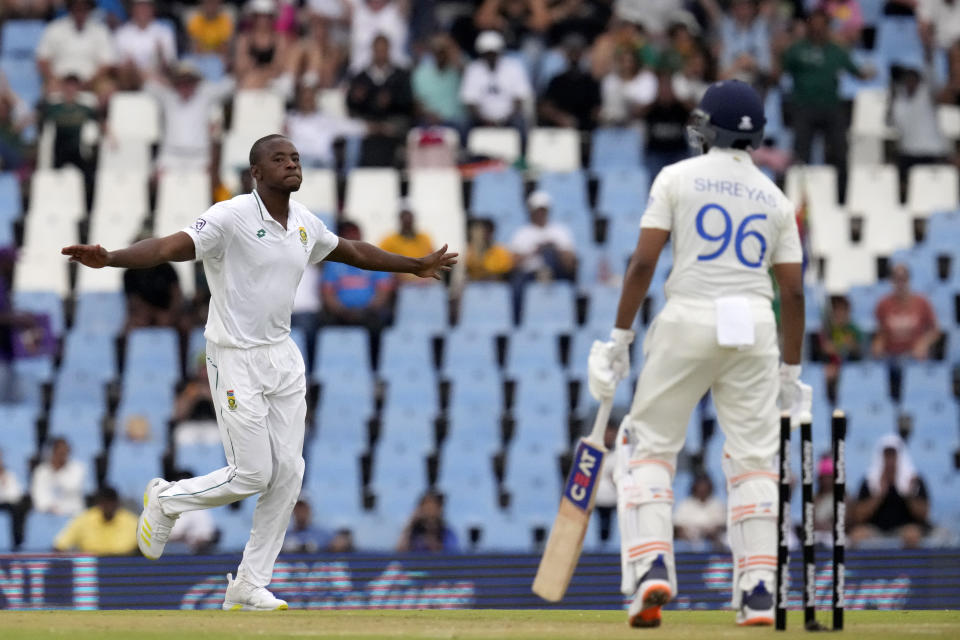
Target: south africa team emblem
{"x": 303, "y": 236}
{"x": 231, "y": 401}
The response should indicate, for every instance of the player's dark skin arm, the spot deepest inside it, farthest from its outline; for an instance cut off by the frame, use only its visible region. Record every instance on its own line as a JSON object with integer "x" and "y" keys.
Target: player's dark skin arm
{"x": 639, "y": 273}
{"x": 364, "y": 255}
{"x": 789, "y": 277}
{"x": 177, "y": 247}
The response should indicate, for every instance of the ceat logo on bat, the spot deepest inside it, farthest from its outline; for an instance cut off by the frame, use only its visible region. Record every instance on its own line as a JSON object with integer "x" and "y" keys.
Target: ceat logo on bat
{"x": 583, "y": 475}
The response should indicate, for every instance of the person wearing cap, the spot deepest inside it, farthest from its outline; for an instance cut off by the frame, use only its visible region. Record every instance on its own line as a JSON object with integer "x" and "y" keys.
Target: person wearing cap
{"x": 572, "y": 98}
{"x": 495, "y": 88}
{"x": 76, "y": 44}
{"x": 145, "y": 45}
{"x": 542, "y": 249}
{"x": 407, "y": 240}
{"x": 210, "y": 29}
{"x": 262, "y": 55}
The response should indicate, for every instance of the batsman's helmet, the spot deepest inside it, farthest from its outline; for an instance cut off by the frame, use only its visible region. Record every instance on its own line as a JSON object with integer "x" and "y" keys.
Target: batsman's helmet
{"x": 730, "y": 114}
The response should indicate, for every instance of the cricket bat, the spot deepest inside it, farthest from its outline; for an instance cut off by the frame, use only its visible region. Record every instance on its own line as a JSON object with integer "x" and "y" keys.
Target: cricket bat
{"x": 562, "y": 553}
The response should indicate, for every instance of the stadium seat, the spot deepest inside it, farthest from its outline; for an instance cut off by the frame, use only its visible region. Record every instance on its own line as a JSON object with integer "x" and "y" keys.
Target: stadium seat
{"x": 486, "y": 306}
{"x": 861, "y": 383}
{"x": 101, "y": 312}
{"x": 181, "y": 197}
{"x": 465, "y": 476}
{"x": 436, "y": 196}
{"x": 849, "y": 268}
{"x": 568, "y": 191}
{"x": 922, "y": 262}
{"x": 470, "y": 429}
{"x": 57, "y": 192}
{"x": 82, "y": 422}
{"x": 23, "y": 77}
{"x": 331, "y": 469}
{"x": 350, "y": 389}
{"x": 403, "y": 349}
{"x": 530, "y": 349}
{"x": 11, "y": 205}
{"x": 873, "y": 190}
{"x": 602, "y": 306}
{"x": 41, "y": 529}
{"x": 342, "y": 425}
{"x": 134, "y": 115}
{"x": 412, "y": 390}
{"x": 422, "y": 307}
{"x": 152, "y": 354}
{"x": 549, "y": 306}
{"x": 542, "y": 392}
{"x": 318, "y": 192}
{"x": 534, "y": 489}
{"x": 623, "y": 193}
{"x": 234, "y": 522}
{"x": 869, "y": 118}
{"x": 90, "y": 353}
{"x": 898, "y": 41}
{"x": 868, "y": 423}
{"x": 199, "y": 457}
{"x": 814, "y": 185}
{"x": 502, "y": 143}
{"x": 235, "y": 157}
{"x": 79, "y": 389}
{"x": 933, "y": 188}
{"x": 887, "y": 231}
{"x": 372, "y": 199}
{"x": 948, "y": 117}
{"x": 119, "y": 192}
{"x": 615, "y": 148}
{"x": 926, "y": 381}
{"x": 257, "y": 112}
{"x": 20, "y": 38}
{"x": 6, "y": 531}
{"x": 506, "y": 533}
{"x": 468, "y": 349}
{"x": 37, "y": 273}
{"x": 18, "y": 440}
{"x": 553, "y": 149}
{"x": 341, "y": 349}
{"x": 935, "y": 419}
{"x": 863, "y": 303}
{"x": 124, "y": 155}
{"x": 45, "y": 303}
{"x": 943, "y": 232}
{"x": 498, "y": 194}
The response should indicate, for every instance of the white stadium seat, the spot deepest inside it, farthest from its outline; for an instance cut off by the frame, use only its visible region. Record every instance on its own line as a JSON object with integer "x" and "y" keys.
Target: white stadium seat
{"x": 873, "y": 190}
{"x": 829, "y": 230}
{"x": 552, "y": 149}
{"x": 114, "y": 229}
{"x": 816, "y": 183}
{"x": 870, "y": 114}
{"x": 257, "y": 112}
{"x": 124, "y": 154}
{"x": 133, "y": 115}
{"x": 235, "y": 157}
{"x": 37, "y": 272}
{"x": 46, "y": 232}
{"x": 98, "y": 280}
{"x": 436, "y": 196}
{"x": 849, "y": 267}
{"x": 371, "y": 201}
{"x": 117, "y": 189}
{"x": 948, "y": 117}
{"x": 60, "y": 191}
{"x": 495, "y": 142}
{"x": 884, "y": 234}
{"x": 181, "y": 198}
{"x": 932, "y": 189}
{"x": 333, "y": 103}
{"x": 318, "y": 191}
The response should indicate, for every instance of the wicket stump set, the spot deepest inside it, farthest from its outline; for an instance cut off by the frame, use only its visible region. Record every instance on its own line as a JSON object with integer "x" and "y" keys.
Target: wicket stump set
{"x": 838, "y": 438}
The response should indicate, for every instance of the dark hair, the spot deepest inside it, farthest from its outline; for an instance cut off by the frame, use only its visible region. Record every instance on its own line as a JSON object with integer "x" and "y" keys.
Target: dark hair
{"x": 258, "y": 146}
{"x": 107, "y": 494}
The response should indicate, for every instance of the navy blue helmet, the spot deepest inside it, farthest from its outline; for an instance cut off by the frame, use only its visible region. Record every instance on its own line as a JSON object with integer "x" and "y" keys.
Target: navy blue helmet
{"x": 730, "y": 114}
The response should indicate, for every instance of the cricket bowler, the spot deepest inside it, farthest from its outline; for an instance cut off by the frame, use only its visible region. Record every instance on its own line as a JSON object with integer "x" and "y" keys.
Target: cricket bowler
{"x": 254, "y": 249}
{"x": 730, "y": 225}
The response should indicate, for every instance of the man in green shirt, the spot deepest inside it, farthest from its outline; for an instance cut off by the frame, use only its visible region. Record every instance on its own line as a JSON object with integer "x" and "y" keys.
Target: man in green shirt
{"x": 814, "y": 63}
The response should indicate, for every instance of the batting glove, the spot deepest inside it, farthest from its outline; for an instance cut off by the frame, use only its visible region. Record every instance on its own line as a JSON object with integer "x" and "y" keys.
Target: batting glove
{"x": 609, "y": 363}
{"x": 795, "y": 396}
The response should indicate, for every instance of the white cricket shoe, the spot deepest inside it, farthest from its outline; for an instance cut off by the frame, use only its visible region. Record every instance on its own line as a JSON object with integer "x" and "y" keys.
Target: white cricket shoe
{"x": 243, "y": 596}
{"x": 153, "y": 527}
{"x": 653, "y": 591}
{"x": 756, "y": 608}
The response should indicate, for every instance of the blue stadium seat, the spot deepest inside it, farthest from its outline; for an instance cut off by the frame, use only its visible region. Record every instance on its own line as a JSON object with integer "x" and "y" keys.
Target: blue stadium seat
{"x": 850, "y": 84}
{"x": 342, "y": 426}
{"x": 376, "y": 532}
{"x": 926, "y": 381}
{"x": 6, "y": 533}
{"x": 131, "y": 465}
{"x": 196, "y": 351}
{"x": 40, "y": 530}
{"x": 943, "y": 232}
{"x": 406, "y": 430}
{"x": 506, "y": 533}
{"x": 539, "y": 435}
{"x": 480, "y": 390}
{"x": 568, "y": 191}
{"x": 486, "y": 305}
{"x": 602, "y": 306}
{"x": 331, "y": 466}
{"x": 423, "y": 307}
{"x": 300, "y": 339}
{"x": 953, "y": 347}
{"x": 210, "y": 66}
{"x": 615, "y": 148}
{"x": 534, "y": 489}
{"x": 935, "y": 420}
{"x": 199, "y": 458}
{"x": 412, "y": 390}
{"x": 83, "y": 424}
{"x": 467, "y": 349}
{"x": 898, "y": 41}
{"x": 398, "y": 478}
{"x": 922, "y": 262}
{"x": 152, "y": 355}
{"x": 341, "y": 349}
{"x": 863, "y": 303}
{"x": 20, "y": 38}
{"x": 352, "y": 388}
{"x": 35, "y": 369}
{"x": 944, "y": 303}
{"x": 149, "y": 400}
{"x": 234, "y": 523}
{"x": 92, "y": 354}
{"x": 42, "y": 302}
{"x": 100, "y": 312}
{"x": 580, "y": 343}
{"x": 498, "y": 195}
{"x": 24, "y": 78}
{"x": 473, "y": 430}
{"x": 587, "y": 406}
{"x": 549, "y": 306}
{"x": 11, "y": 205}
{"x": 622, "y": 235}
{"x": 18, "y": 437}
{"x": 597, "y": 266}
{"x": 867, "y": 423}
{"x": 532, "y": 348}
{"x": 541, "y": 392}
{"x": 466, "y": 477}
{"x": 623, "y": 194}
{"x": 862, "y": 383}
{"x": 405, "y": 349}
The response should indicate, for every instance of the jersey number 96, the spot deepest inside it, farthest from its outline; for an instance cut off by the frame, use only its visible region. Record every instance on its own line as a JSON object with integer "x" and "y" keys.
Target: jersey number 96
{"x": 724, "y": 237}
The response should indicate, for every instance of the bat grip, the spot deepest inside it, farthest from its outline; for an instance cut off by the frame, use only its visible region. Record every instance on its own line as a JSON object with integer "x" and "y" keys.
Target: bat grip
{"x": 600, "y": 422}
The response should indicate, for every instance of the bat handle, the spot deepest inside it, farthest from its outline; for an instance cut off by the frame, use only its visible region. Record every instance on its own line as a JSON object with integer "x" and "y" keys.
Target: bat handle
{"x": 600, "y": 422}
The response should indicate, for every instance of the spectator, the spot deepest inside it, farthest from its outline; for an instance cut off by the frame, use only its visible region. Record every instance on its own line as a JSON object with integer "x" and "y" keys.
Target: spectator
{"x": 626, "y": 88}
{"x": 913, "y": 114}
{"x": 69, "y": 116}
{"x": 427, "y": 530}
{"x": 76, "y": 45}
{"x": 352, "y": 296}
{"x": 342, "y": 542}
{"x": 893, "y": 499}
{"x": 105, "y": 529}
{"x": 408, "y": 241}
{"x": 541, "y": 248}
{"x": 701, "y": 517}
{"x": 666, "y": 118}
{"x": 195, "y": 400}
{"x": 745, "y": 52}
{"x": 906, "y": 322}
{"x": 939, "y": 22}
{"x": 317, "y": 134}
{"x": 623, "y": 36}
{"x": 12, "y": 146}
{"x": 572, "y": 98}
{"x": 145, "y": 46}
{"x": 823, "y": 502}
{"x": 11, "y": 500}
{"x": 320, "y": 54}
{"x": 186, "y": 101}
{"x": 10, "y": 323}
{"x": 153, "y": 296}
{"x": 654, "y": 16}
{"x": 486, "y": 259}
{"x": 847, "y": 19}
{"x": 690, "y": 83}
{"x": 681, "y": 42}
{"x": 303, "y": 536}
{"x": 36, "y": 9}
{"x": 436, "y": 85}
{"x": 210, "y": 29}
{"x": 372, "y": 18}
{"x": 814, "y": 64}
{"x": 381, "y": 96}
{"x": 194, "y": 531}
{"x": 494, "y": 88}
{"x": 523, "y": 23}
{"x": 58, "y": 482}
{"x": 840, "y": 338}
{"x": 261, "y": 54}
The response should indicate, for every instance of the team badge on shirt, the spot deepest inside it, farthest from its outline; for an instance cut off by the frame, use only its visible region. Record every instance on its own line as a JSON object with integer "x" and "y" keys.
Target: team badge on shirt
{"x": 199, "y": 224}
{"x": 261, "y": 233}
{"x": 231, "y": 400}
{"x": 303, "y": 236}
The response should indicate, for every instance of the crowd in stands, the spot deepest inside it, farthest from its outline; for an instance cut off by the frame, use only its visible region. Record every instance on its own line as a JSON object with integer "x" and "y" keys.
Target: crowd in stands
{"x": 468, "y": 86}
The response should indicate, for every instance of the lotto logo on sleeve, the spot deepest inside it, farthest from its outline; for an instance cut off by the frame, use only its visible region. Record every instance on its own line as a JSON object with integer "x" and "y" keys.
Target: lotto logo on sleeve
{"x": 199, "y": 224}
{"x": 583, "y": 475}
{"x": 231, "y": 401}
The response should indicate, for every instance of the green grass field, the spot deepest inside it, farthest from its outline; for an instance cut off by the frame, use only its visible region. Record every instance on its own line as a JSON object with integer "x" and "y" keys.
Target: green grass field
{"x": 502, "y": 625}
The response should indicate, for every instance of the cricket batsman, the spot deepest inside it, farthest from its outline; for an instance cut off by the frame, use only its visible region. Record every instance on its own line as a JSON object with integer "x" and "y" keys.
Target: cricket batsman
{"x": 730, "y": 226}
{"x": 254, "y": 248}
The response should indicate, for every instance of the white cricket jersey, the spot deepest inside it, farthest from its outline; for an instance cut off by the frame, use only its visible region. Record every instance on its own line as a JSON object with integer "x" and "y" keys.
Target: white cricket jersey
{"x": 253, "y": 267}
{"x": 728, "y": 224}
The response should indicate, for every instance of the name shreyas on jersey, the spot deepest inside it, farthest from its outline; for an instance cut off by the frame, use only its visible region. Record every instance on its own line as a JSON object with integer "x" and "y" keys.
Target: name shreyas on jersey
{"x": 735, "y": 189}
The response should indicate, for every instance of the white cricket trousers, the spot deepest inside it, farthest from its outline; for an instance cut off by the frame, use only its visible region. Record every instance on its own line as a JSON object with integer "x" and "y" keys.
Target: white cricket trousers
{"x": 260, "y": 396}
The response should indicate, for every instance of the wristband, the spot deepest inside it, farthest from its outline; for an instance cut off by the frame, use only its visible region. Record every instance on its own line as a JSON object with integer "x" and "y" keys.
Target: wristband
{"x": 622, "y": 336}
